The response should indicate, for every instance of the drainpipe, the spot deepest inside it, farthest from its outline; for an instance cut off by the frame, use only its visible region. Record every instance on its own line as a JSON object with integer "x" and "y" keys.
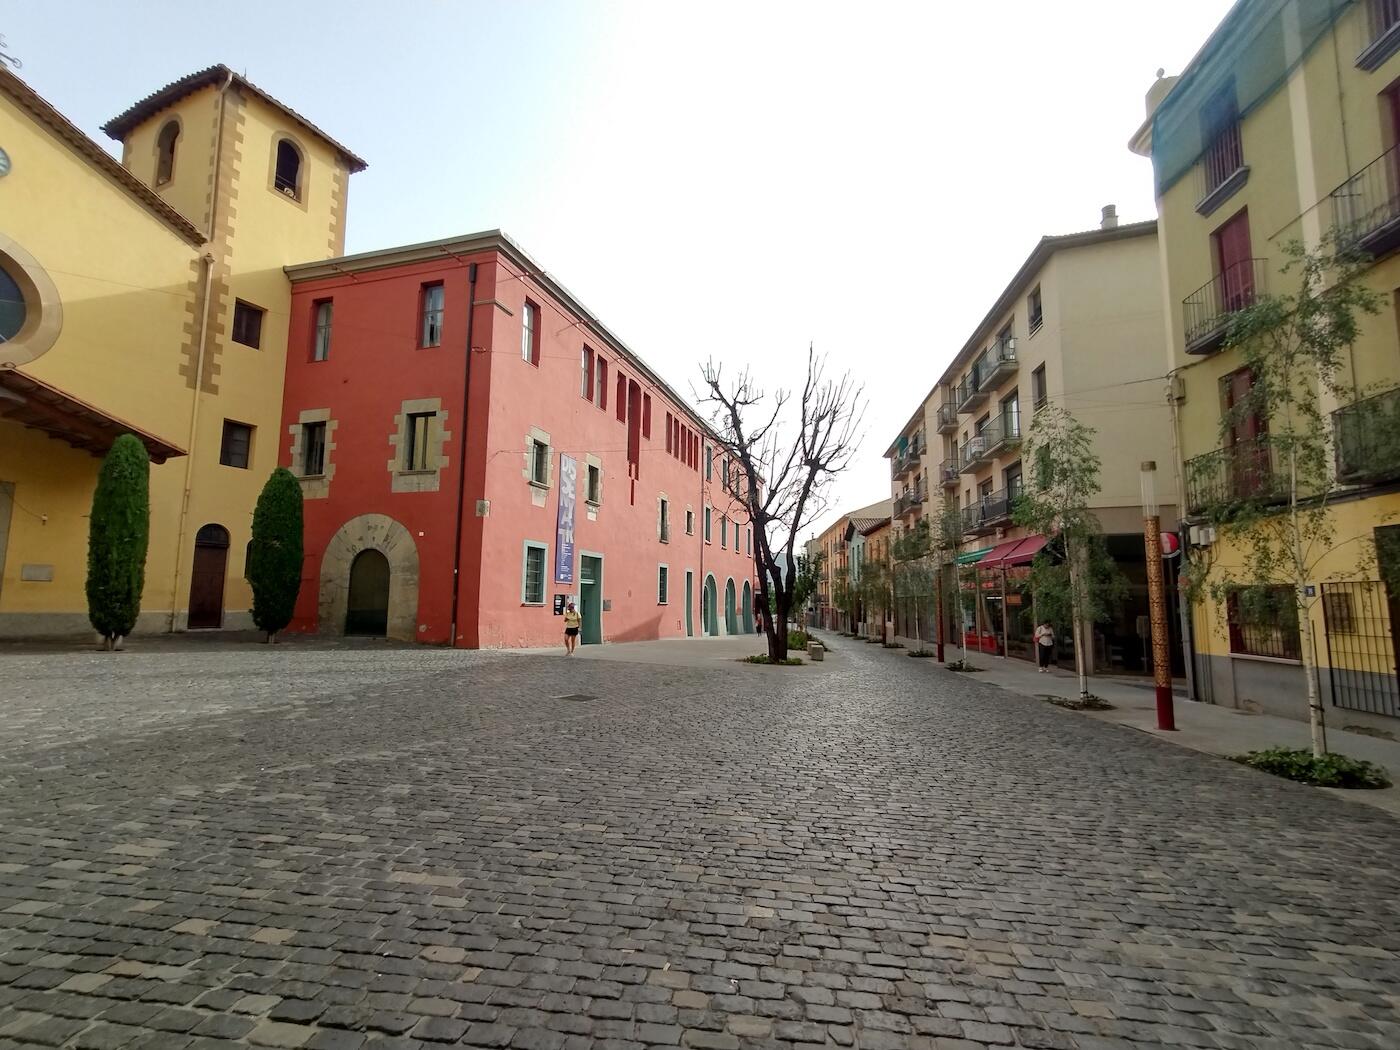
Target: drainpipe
{"x": 208, "y": 262}
{"x": 1188, "y": 621}
{"x": 462, "y": 455}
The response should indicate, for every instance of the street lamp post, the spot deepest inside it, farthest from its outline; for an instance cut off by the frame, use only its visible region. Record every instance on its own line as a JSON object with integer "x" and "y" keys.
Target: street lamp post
{"x": 1157, "y": 597}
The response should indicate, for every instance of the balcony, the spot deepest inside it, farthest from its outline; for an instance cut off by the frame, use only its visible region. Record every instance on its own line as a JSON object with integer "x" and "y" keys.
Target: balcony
{"x": 1002, "y": 433}
{"x": 1366, "y": 436}
{"x": 1243, "y": 473}
{"x": 1207, "y": 310}
{"x": 989, "y": 513}
{"x": 948, "y": 474}
{"x": 1366, "y": 208}
{"x": 997, "y": 363}
{"x": 969, "y": 394}
{"x": 971, "y": 455}
{"x": 947, "y": 418}
{"x": 1223, "y": 170}
{"x": 908, "y": 459}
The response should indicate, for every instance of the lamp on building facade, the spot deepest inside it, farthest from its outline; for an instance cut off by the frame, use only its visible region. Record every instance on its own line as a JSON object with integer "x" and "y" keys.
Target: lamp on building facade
{"x": 1157, "y": 597}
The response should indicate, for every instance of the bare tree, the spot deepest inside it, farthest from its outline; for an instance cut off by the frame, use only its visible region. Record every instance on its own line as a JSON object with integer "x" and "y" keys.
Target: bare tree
{"x": 783, "y": 475}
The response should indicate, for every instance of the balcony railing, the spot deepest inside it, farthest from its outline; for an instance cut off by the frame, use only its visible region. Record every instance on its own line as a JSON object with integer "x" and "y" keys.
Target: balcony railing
{"x": 1382, "y": 33}
{"x": 947, "y": 417}
{"x": 908, "y": 458}
{"x": 988, "y": 512}
{"x": 1222, "y": 168}
{"x": 997, "y": 363}
{"x": 972, "y": 453}
{"x": 1241, "y": 473}
{"x": 1002, "y": 432}
{"x": 1366, "y": 208}
{"x": 1209, "y": 308}
{"x": 948, "y": 474}
{"x": 968, "y": 396}
{"x": 1366, "y": 436}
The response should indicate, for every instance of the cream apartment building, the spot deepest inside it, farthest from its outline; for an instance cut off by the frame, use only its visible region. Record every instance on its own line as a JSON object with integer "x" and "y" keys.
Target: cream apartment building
{"x": 1080, "y": 326}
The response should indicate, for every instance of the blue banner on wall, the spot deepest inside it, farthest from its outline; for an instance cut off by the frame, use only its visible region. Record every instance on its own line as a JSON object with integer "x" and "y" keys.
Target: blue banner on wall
{"x": 564, "y": 536}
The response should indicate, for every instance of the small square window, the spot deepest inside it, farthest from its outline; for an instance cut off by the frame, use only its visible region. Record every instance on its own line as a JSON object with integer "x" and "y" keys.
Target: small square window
{"x": 431, "y": 334}
{"x": 539, "y": 462}
{"x": 415, "y": 455}
{"x": 237, "y": 444}
{"x": 662, "y": 584}
{"x": 595, "y": 484}
{"x": 313, "y": 449}
{"x": 321, "y": 340}
{"x": 247, "y": 324}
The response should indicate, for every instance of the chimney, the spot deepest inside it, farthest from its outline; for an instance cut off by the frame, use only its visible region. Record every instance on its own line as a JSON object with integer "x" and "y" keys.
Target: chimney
{"x": 1110, "y": 217}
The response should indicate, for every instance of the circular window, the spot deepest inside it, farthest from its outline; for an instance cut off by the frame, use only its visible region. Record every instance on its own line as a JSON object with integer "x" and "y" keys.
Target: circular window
{"x": 11, "y": 307}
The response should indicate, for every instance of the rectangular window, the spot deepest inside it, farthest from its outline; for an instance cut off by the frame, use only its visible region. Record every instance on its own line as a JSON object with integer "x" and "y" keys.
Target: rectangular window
{"x": 247, "y": 324}
{"x": 585, "y": 378}
{"x": 595, "y": 484}
{"x": 313, "y": 449}
{"x": 539, "y": 462}
{"x": 530, "y": 333}
{"x": 432, "y": 308}
{"x": 724, "y": 531}
{"x": 709, "y": 463}
{"x": 532, "y": 574}
{"x": 708, "y": 537}
{"x": 748, "y": 541}
{"x": 1035, "y": 310}
{"x": 321, "y": 343}
{"x": 1381, "y": 17}
{"x": 601, "y": 387}
{"x": 670, "y": 437}
{"x": 1220, "y": 130}
{"x": 663, "y": 529}
{"x": 1038, "y": 393}
{"x": 662, "y": 584}
{"x": 621, "y": 398}
{"x": 1263, "y": 621}
{"x": 690, "y": 523}
{"x": 1014, "y": 487}
{"x": 237, "y": 444}
{"x": 415, "y": 453}
{"x": 646, "y": 416}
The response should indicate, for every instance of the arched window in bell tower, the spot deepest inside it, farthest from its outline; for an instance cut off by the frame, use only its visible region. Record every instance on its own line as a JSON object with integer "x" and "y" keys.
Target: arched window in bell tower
{"x": 287, "y": 176}
{"x": 165, "y": 151}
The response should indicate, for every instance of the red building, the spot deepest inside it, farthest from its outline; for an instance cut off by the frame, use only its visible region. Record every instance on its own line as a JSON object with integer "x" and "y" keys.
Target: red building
{"x": 584, "y": 474}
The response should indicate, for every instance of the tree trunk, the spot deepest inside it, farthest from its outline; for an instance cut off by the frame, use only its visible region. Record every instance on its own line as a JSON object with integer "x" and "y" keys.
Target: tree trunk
{"x": 1315, "y": 727}
{"x": 776, "y": 627}
{"x": 1076, "y": 605}
{"x": 106, "y": 643}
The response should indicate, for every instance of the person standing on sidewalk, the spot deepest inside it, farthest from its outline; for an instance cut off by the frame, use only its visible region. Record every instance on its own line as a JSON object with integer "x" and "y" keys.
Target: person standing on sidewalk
{"x": 572, "y": 622}
{"x": 1044, "y": 646}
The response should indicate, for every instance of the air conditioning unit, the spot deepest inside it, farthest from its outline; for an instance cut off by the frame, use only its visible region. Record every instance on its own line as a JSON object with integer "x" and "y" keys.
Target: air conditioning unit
{"x": 1202, "y": 535}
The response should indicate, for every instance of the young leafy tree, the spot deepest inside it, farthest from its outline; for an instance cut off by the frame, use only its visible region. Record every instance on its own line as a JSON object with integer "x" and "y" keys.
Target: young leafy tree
{"x": 947, "y": 535}
{"x": 809, "y": 575}
{"x": 275, "y": 554}
{"x": 875, "y": 587}
{"x": 1269, "y": 495}
{"x": 785, "y": 466}
{"x": 1083, "y": 584}
{"x": 118, "y": 533}
{"x": 915, "y": 569}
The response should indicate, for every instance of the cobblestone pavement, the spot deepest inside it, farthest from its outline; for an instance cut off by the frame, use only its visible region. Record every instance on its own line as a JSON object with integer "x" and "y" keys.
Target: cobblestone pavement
{"x": 403, "y": 848}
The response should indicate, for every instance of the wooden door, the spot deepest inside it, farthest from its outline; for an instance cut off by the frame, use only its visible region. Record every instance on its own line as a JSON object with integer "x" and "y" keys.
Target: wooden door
{"x": 1235, "y": 263}
{"x": 367, "y": 607}
{"x": 207, "y": 577}
{"x": 1249, "y": 460}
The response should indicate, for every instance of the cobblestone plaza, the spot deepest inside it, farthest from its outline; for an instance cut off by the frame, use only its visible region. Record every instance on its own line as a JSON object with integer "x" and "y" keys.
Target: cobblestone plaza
{"x": 290, "y": 847}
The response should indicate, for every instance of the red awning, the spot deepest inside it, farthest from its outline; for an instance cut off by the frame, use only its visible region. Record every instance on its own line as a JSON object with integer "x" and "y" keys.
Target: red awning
{"x": 995, "y": 557}
{"x": 1014, "y": 552}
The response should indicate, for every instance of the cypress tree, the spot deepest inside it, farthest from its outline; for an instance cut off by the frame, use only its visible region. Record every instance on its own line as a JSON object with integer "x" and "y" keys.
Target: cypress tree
{"x": 118, "y": 532}
{"x": 274, "y": 557}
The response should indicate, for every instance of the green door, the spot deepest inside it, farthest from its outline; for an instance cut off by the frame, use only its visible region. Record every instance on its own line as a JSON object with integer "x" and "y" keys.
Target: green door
{"x": 690, "y": 605}
{"x": 709, "y": 613}
{"x": 590, "y": 598}
{"x": 731, "y": 618}
{"x": 746, "y": 608}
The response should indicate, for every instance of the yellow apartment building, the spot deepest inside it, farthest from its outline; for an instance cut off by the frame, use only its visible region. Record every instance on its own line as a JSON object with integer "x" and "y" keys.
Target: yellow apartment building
{"x": 148, "y": 297}
{"x": 1078, "y": 326}
{"x": 836, "y": 564}
{"x": 1284, "y": 128}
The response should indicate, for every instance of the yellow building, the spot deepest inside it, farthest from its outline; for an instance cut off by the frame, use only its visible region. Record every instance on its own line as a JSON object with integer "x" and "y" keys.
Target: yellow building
{"x": 1283, "y": 128}
{"x": 1078, "y": 326}
{"x": 834, "y": 579}
{"x": 148, "y": 297}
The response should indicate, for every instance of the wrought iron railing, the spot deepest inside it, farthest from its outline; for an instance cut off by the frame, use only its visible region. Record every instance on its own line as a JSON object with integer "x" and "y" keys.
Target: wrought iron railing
{"x": 1209, "y": 308}
{"x": 947, "y": 417}
{"x": 997, "y": 363}
{"x": 1361, "y": 669}
{"x": 1366, "y": 208}
{"x": 988, "y": 511}
{"x": 973, "y": 452}
{"x": 948, "y": 472}
{"x": 1241, "y": 473}
{"x": 1366, "y": 438}
{"x": 1002, "y": 431}
{"x": 1223, "y": 157}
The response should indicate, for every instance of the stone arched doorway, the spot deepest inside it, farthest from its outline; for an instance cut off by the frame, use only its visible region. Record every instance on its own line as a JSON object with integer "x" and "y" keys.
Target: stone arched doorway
{"x": 746, "y": 607}
{"x": 207, "y": 578}
{"x": 731, "y": 616}
{"x": 385, "y": 536}
{"x": 367, "y": 607}
{"x": 709, "y": 614}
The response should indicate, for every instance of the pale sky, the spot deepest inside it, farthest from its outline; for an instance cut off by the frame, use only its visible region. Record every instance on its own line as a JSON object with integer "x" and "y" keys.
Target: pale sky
{"x": 722, "y": 179}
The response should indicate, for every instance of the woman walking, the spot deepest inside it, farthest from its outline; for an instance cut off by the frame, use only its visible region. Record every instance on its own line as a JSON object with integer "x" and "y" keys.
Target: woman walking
{"x": 572, "y": 622}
